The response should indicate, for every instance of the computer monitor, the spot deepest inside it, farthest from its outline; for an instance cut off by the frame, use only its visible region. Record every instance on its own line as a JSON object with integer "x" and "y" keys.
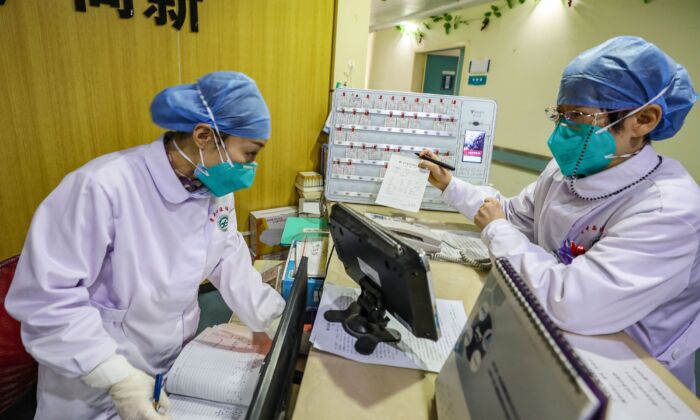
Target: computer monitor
{"x": 271, "y": 396}
{"x": 393, "y": 276}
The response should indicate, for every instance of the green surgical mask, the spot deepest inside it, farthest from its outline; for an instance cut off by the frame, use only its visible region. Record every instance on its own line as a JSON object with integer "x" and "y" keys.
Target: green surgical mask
{"x": 225, "y": 177}
{"x": 581, "y": 149}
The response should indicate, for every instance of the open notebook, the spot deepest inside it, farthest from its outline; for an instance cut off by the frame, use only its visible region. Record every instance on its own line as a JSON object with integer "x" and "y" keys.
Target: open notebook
{"x": 215, "y": 375}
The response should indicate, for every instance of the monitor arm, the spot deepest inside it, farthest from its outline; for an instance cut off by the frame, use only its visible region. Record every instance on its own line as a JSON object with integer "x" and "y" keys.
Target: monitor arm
{"x": 366, "y": 319}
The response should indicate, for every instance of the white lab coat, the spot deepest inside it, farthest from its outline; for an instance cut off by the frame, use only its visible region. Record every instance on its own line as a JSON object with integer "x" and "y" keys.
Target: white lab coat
{"x": 641, "y": 269}
{"x": 112, "y": 263}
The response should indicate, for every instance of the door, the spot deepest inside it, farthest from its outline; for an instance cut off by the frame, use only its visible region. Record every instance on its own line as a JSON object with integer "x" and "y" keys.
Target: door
{"x": 441, "y": 74}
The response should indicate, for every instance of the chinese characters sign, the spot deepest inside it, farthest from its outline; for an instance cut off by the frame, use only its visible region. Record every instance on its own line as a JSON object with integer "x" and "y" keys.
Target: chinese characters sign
{"x": 162, "y": 11}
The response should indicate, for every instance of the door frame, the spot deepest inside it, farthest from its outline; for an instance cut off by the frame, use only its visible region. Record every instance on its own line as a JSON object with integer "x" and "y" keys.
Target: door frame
{"x": 420, "y": 58}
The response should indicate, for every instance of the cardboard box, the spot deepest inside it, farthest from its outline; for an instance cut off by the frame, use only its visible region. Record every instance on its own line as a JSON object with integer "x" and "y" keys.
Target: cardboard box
{"x": 266, "y": 227}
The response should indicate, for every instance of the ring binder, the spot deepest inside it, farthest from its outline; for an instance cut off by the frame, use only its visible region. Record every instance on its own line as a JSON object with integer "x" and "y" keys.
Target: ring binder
{"x": 525, "y": 367}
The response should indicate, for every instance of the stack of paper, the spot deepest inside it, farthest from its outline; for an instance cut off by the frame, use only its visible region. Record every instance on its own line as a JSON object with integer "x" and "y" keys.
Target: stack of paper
{"x": 309, "y": 207}
{"x": 634, "y": 389}
{"x": 309, "y": 185}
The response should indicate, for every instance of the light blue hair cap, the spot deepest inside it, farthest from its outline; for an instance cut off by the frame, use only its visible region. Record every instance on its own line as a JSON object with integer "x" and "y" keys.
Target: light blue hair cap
{"x": 624, "y": 73}
{"x": 234, "y": 99}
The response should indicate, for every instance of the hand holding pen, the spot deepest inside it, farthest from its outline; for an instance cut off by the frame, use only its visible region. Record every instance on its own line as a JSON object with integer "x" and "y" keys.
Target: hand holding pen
{"x": 440, "y": 175}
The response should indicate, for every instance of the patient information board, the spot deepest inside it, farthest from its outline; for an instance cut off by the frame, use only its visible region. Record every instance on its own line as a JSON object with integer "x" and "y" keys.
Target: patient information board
{"x": 368, "y": 126}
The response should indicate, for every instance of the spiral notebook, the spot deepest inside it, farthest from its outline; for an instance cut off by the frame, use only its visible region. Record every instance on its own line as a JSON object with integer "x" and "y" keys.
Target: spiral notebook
{"x": 511, "y": 362}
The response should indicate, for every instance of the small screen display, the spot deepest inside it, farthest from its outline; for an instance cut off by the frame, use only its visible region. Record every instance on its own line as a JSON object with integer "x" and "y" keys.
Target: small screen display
{"x": 473, "y": 146}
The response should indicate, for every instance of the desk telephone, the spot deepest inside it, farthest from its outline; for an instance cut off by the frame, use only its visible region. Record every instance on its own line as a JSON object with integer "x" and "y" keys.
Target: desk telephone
{"x": 418, "y": 236}
{"x": 440, "y": 246}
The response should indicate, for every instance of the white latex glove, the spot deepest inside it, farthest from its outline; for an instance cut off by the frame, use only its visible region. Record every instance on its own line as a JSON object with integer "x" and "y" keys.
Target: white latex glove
{"x": 272, "y": 329}
{"x": 133, "y": 395}
{"x": 131, "y": 389}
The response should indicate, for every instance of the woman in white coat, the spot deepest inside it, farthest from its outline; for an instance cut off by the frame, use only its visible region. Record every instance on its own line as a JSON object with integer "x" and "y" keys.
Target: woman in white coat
{"x": 607, "y": 237}
{"x": 106, "y": 285}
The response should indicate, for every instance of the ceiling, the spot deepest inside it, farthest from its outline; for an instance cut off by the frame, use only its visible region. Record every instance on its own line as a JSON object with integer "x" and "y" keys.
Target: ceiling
{"x": 387, "y": 13}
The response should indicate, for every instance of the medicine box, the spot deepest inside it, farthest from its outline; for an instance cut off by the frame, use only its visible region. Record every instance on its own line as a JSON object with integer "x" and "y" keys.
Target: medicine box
{"x": 314, "y": 286}
{"x": 266, "y": 227}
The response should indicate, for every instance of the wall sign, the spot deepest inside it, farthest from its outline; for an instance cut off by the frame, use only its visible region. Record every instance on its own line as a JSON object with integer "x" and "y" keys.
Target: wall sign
{"x": 477, "y": 80}
{"x": 161, "y": 10}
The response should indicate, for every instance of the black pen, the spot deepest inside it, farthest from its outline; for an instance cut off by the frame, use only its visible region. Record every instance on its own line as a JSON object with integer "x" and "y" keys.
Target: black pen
{"x": 437, "y": 162}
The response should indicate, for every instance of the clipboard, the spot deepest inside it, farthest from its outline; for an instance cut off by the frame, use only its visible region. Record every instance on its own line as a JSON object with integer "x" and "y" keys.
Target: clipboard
{"x": 511, "y": 362}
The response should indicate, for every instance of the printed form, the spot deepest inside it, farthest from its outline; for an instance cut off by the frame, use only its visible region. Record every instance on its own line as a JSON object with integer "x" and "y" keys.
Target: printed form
{"x": 404, "y": 184}
{"x": 410, "y": 352}
{"x": 636, "y": 393}
{"x": 185, "y": 408}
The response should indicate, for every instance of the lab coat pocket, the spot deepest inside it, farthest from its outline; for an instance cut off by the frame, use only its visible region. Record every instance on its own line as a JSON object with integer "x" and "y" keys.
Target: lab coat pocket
{"x": 112, "y": 320}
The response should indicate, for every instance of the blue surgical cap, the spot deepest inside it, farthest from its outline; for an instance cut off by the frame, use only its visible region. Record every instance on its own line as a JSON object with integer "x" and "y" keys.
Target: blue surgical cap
{"x": 624, "y": 73}
{"x": 234, "y": 99}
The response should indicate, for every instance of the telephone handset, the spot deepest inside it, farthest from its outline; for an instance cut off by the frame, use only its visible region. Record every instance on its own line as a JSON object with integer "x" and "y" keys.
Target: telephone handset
{"x": 418, "y": 236}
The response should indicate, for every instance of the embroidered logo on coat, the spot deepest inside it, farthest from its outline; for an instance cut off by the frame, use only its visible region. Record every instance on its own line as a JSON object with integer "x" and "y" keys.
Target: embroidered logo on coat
{"x": 572, "y": 248}
{"x": 223, "y": 222}
{"x": 221, "y": 216}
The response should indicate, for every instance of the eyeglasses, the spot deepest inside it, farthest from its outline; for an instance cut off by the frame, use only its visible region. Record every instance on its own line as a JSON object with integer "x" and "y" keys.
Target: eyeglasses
{"x": 576, "y": 117}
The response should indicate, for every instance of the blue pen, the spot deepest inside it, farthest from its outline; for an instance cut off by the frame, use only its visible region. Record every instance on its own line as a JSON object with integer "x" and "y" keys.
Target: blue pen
{"x": 156, "y": 391}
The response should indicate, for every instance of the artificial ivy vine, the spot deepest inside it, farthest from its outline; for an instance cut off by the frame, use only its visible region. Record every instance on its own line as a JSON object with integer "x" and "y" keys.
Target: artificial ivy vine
{"x": 450, "y": 21}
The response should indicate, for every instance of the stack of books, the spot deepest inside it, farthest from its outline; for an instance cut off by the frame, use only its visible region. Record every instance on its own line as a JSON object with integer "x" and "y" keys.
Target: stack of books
{"x": 310, "y": 187}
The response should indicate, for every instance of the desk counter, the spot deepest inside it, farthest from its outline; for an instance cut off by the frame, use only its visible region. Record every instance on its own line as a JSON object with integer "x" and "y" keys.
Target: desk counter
{"x": 337, "y": 388}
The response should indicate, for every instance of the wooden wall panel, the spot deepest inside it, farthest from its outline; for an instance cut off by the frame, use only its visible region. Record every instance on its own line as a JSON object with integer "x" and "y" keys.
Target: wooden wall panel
{"x": 286, "y": 47}
{"x": 74, "y": 86}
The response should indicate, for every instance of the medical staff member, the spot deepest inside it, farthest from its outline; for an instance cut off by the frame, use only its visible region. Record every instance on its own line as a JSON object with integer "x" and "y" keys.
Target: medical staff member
{"x": 607, "y": 237}
{"x": 106, "y": 285}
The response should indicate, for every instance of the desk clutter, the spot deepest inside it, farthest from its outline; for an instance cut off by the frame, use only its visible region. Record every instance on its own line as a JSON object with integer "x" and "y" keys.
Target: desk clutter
{"x": 411, "y": 352}
{"x": 309, "y": 187}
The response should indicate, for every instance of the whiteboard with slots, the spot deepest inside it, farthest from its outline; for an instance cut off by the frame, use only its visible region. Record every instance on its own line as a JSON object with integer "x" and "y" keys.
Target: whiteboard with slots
{"x": 368, "y": 126}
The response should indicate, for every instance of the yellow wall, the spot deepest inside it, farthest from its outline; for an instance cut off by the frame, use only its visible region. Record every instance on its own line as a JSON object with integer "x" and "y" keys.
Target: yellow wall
{"x": 351, "y": 41}
{"x": 530, "y": 45}
{"x": 74, "y": 86}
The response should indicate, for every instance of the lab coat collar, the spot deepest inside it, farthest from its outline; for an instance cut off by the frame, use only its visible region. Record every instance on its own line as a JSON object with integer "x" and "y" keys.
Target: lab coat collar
{"x": 619, "y": 176}
{"x": 164, "y": 176}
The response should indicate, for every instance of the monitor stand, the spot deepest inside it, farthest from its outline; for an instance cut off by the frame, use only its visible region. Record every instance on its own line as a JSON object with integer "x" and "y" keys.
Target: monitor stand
{"x": 366, "y": 319}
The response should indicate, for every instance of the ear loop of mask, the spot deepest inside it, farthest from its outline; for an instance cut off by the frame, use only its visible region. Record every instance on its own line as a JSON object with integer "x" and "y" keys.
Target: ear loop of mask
{"x": 217, "y": 135}
{"x": 201, "y": 167}
{"x": 629, "y": 114}
{"x": 634, "y": 111}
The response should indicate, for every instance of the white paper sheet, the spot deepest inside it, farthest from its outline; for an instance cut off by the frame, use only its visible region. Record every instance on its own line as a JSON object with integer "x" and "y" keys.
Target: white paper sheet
{"x": 636, "y": 393}
{"x": 410, "y": 352}
{"x": 404, "y": 184}
{"x": 184, "y": 408}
